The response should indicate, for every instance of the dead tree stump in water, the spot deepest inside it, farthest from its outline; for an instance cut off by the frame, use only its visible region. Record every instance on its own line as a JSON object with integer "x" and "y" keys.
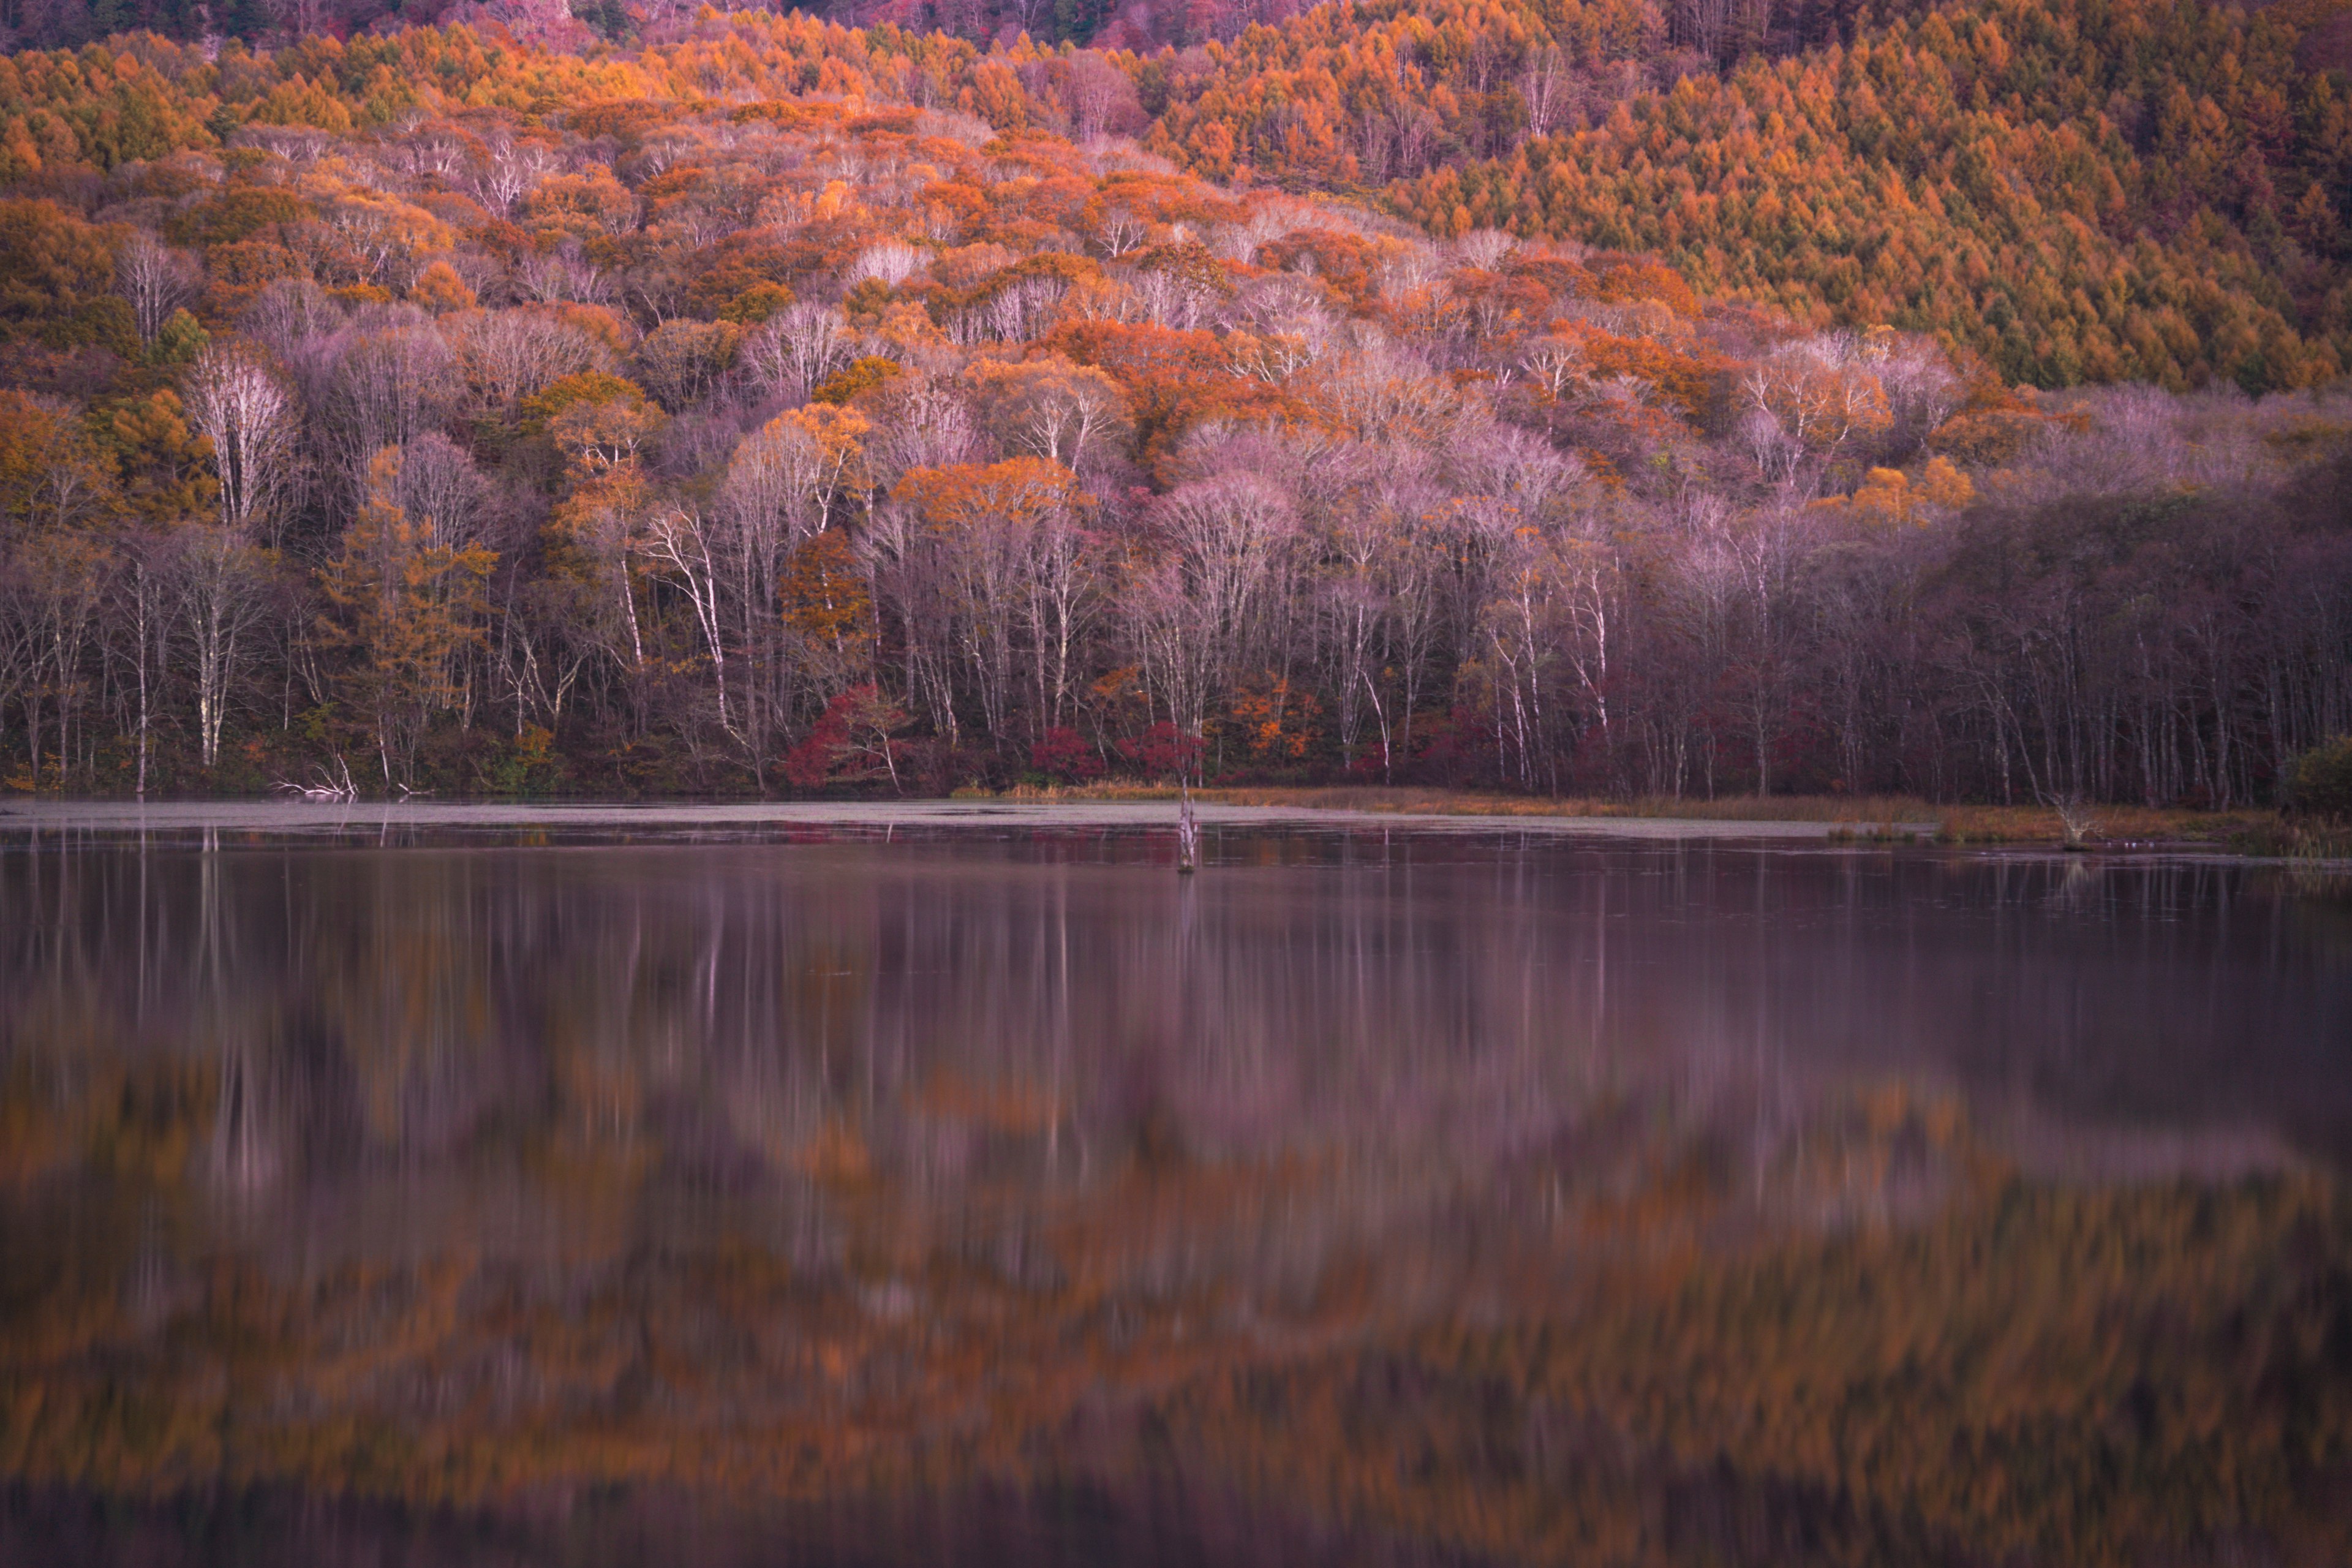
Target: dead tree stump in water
{"x": 1188, "y": 834}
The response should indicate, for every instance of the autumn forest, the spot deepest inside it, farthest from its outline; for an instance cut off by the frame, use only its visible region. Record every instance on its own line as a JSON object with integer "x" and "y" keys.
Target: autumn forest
{"x": 1530, "y": 396}
{"x": 1842, "y": 421}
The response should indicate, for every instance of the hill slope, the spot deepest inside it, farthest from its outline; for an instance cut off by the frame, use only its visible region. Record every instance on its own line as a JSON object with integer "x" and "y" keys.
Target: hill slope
{"x": 788, "y": 404}
{"x": 2080, "y": 190}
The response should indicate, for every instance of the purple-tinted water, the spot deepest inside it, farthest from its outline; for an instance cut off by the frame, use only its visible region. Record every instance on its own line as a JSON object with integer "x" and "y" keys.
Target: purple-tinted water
{"x": 484, "y": 1194}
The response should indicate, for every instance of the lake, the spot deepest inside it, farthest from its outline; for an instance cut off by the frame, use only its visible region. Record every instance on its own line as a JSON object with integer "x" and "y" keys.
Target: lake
{"x": 717, "y": 1186}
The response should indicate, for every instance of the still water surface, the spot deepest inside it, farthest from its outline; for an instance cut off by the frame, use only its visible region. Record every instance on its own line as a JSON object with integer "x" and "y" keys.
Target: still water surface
{"x": 476, "y": 1193}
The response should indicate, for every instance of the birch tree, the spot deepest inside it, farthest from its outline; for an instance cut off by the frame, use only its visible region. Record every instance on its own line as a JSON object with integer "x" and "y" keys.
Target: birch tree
{"x": 250, "y": 420}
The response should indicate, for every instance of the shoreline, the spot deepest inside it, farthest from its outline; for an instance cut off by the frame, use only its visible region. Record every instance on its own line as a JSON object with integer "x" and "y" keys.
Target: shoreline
{"x": 1131, "y": 812}
{"x": 297, "y": 817}
{"x": 1864, "y": 820}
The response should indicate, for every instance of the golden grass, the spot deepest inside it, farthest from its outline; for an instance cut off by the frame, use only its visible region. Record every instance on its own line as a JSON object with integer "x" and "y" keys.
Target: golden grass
{"x": 2112, "y": 824}
{"x": 2115, "y": 825}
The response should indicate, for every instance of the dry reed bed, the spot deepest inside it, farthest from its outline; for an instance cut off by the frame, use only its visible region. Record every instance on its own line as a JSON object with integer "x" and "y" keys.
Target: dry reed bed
{"x": 2114, "y": 824}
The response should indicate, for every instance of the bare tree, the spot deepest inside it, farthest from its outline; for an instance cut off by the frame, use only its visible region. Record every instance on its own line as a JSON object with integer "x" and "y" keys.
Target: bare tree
{"x": 223, "y": 592}
{"x": 300, "y": 17}
{"x": 924, "y": 423}
{"x": 778, "y": 487}
{"x": 1707, "y": 25}
{"x": 393, "y": 382}
{"x": 1203, "y": 611}
{"x": 1355, "y": 604}
{"x": 1548, "y": 88}
{"x": 506, "y": 355}
{"x": 796, "y": 349}
{"x": 61, "y": 585}
{"x": 677, "y": 540}
{"x": 1099, "y": 97}
{"x": 141, "y": 617}
{"x": 1061, "y": 603}
{"x": 155, "y": 280}
{"x": 682, "y": 361}
{"x": 1049, "y": 407}
{"x": 289, "y": 319}
{"x": 442, "y": 492}
{"x": 248, "y": 416}
{"x": 550, "y": 276}
{"x": 510, "y": 171}
{"x": 1119, "y": 232}
{"x": 902, "y": 556}
{"x": 1819, "y": 394}
{"x": 892, "y": 262}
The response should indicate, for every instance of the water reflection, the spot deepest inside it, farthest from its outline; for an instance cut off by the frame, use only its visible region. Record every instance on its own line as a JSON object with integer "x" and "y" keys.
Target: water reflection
{"x": 1379, "y": 1187}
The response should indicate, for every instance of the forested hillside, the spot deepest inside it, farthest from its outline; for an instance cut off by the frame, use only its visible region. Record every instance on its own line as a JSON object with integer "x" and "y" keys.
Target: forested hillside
{"x": 2079, "y": 190}
{"x": 789, "y": 408}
